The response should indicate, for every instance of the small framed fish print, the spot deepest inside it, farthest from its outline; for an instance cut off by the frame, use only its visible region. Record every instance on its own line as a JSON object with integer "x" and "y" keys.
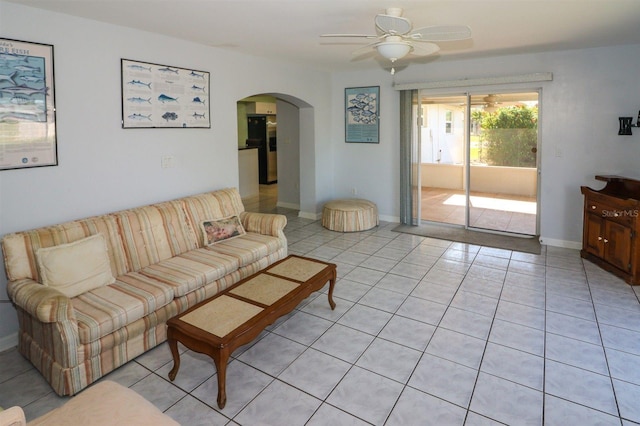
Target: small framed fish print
{"x": 163, "y": 96}
{"x": 27, "y": 105}
{"x": 362, "y": 118}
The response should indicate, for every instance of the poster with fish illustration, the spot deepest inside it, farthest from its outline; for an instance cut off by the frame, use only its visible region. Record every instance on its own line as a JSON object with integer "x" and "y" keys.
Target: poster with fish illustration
{"x": 162, "y": 96}
{"x": 362, "y": 120}
{"x": 27, "y": 105}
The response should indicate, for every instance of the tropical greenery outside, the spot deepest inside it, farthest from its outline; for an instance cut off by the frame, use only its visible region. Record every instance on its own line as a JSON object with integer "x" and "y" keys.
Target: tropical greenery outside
{"x": 508, "y": 136}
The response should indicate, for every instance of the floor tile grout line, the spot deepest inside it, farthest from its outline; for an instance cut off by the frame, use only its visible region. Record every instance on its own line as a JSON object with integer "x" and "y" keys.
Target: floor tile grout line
{"x": 606, "y": 357}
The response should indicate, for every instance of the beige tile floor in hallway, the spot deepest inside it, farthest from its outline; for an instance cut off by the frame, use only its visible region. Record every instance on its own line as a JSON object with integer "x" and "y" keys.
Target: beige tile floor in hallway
{"x": 425, "y": 332}
{"x": 499, "y": 212}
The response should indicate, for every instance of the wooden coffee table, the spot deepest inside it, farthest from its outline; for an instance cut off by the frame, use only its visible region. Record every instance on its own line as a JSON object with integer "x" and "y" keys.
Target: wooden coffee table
{"x": 219, "y": 325}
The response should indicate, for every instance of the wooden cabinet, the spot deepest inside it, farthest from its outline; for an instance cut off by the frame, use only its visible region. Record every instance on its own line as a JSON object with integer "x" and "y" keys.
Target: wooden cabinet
{"x": 611, "y": 225}
{"x": 261, "y": 108}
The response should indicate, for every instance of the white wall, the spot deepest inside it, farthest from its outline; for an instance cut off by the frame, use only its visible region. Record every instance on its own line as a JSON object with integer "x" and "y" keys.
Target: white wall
{"x": 371, "y": 169}
{"x": 288, "y": 155}
{"x": 591, "y": 88}
{"x": 103, "y": 168}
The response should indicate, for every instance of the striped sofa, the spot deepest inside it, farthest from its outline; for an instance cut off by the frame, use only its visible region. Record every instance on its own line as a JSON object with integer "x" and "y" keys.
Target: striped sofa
{"x": 160, "y": 266}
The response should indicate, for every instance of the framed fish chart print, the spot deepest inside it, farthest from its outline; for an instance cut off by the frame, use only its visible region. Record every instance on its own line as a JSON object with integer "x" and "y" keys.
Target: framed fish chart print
{"x": 362, "y": 119}
{"x": 27, "y": 105}
{"x": 162, "y": 96}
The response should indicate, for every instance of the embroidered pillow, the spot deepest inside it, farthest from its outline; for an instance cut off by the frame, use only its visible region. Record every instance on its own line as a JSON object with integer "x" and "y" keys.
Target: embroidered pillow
{"x": 76, "y": 267}
{"x": 221, "y": 229}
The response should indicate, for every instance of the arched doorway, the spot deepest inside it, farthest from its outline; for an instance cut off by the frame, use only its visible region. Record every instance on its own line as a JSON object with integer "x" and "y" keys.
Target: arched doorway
{"x": 287, "y": 149}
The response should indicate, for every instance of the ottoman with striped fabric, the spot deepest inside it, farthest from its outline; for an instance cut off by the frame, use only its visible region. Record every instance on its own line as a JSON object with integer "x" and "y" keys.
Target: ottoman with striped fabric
{"x": 350, "y": 215}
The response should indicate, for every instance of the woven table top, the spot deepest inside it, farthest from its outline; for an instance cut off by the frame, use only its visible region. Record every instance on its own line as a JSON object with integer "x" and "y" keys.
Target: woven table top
{"x": 229, "y": 314}
{"x": 265, "y": 289}
{"x": 297, "y": 269}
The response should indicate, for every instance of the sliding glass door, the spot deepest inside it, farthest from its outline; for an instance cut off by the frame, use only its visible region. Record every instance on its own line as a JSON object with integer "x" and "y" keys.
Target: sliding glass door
{"x": 443, "y": 141}
{"x": 479, "y": 166}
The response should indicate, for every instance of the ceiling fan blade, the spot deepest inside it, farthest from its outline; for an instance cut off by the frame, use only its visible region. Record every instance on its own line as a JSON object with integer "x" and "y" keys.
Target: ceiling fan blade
{"x": 441, "y": 33}
{"x": 350, "y": 35}
{"x": 395, "y": 25}
{"x": 424, "y": 49}
{"x": 363, "y": 49}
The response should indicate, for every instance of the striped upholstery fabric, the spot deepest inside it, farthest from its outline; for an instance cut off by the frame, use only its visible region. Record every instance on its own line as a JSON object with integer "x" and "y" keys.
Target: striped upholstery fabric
{"x": 44, "y": 303}
{"x": 192, "y": 270}
{"x": 20, "y": 248}
{"x": 154, "y": 233}
{"x": 211, "y": 205}
{"x": 52, "y": 338}
{"x": 161, "y": 267}
{"x": 103, "y": 310}
{"x": 248, "y": 248}
{"x": 349, "y": 215}
{"x": 268, "y": 224}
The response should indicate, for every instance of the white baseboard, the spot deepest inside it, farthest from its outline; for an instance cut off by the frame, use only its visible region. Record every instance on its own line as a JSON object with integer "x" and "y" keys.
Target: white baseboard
{"x": 288, "y": 205}
{"x": 8, "y": 342}
{"x": 309, "y": 215}
{"x": 576, "y": 245}
{"x": 393, "y": 219}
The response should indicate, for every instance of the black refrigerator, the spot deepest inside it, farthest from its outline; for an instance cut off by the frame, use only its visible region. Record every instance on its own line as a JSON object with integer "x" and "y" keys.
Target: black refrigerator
{"x": 262, "y": 134}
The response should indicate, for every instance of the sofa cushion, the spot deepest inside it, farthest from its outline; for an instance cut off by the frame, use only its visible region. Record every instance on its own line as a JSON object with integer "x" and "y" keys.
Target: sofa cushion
{"x": 222, "y": 229}
{"x": 210, "y": 206}
{"x": 154, "y": 233}
{"x": 106, "y": 309}
{"x": 192, "y": 270}
{"x": 76, "y": 267}
{"x": 20, "y": 248}
{"x": 248, "y": 248}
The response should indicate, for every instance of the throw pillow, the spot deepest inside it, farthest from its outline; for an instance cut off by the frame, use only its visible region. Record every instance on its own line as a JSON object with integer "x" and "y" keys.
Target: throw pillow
{"x": 222, "y": 229}
{"x": 76, "y": 267}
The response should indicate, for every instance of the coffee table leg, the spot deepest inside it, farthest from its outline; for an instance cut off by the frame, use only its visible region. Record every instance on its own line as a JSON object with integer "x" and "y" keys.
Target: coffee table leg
{"x": 221, "y": 366}
{"x": 332, "y": 283}
{"x": 173, "y": 345}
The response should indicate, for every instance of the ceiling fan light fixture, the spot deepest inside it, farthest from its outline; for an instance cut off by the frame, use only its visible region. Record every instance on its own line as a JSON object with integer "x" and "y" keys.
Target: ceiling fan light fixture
{"x": 393, "y": 50}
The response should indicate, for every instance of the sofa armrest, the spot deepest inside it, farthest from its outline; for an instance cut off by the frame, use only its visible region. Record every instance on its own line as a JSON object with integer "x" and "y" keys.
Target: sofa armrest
{"x": 13, "y": 416}
{"x": 264, "y": 223}
{"x": 40, "y": 301}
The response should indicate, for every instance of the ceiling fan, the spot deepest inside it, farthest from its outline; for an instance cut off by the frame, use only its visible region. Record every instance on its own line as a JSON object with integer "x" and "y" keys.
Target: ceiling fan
{"x": 490, "y": 100}
{"x": 395, "y": 37}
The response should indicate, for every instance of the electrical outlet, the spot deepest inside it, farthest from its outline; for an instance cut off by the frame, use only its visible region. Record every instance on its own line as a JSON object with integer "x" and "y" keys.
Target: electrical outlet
{"x": 166, "y": 162}
{"x": 354, "y": 191}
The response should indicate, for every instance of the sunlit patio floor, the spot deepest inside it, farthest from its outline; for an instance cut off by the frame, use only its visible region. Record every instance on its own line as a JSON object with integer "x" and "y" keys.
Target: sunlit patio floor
{"x": 499, "y": 212}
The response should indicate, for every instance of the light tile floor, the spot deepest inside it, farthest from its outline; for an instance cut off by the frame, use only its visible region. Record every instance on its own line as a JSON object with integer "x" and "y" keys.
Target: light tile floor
{"x": 425, "y": 332}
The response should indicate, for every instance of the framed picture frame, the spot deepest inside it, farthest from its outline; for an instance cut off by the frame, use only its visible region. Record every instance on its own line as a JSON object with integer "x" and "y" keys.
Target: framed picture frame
{"x": 162, "y": 96}
{"x": 27, "y": 105}
{"x": 362, "y": 118}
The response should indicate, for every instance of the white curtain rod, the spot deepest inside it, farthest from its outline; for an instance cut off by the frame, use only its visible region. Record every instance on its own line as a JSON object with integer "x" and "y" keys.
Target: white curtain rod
{"x": 484, "y": 81}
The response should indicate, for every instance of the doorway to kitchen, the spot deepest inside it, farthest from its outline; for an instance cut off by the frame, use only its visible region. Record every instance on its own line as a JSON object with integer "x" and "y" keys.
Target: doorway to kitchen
{"x": 478, "y": 160}
{"x": 272, "y": 126}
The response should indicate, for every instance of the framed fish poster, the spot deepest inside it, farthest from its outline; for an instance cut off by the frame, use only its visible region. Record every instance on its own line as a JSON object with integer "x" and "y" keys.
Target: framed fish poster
{"x": 362, "y": 120}
{"x": 162, "y": 96}
{"x": 27, "y": 105}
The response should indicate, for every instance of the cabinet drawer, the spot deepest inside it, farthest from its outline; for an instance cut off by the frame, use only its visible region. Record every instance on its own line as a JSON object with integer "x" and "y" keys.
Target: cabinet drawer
{"x": 609, "y": 211}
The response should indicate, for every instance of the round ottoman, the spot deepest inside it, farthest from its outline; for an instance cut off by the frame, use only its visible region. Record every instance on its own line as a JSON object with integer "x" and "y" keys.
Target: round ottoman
{"x": 350, "y": 215}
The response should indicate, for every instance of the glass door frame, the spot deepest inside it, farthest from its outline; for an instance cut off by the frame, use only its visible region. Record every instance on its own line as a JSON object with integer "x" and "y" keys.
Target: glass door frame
{"x": 467, "y": 150}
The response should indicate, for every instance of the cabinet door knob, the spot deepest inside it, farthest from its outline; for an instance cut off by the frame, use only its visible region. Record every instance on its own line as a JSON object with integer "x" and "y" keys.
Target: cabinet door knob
{"x": 616, "y": 214}
{"x": 593, "y": 207}
{"x": 606, "y": 241}
{"x": 599, "y": 238}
